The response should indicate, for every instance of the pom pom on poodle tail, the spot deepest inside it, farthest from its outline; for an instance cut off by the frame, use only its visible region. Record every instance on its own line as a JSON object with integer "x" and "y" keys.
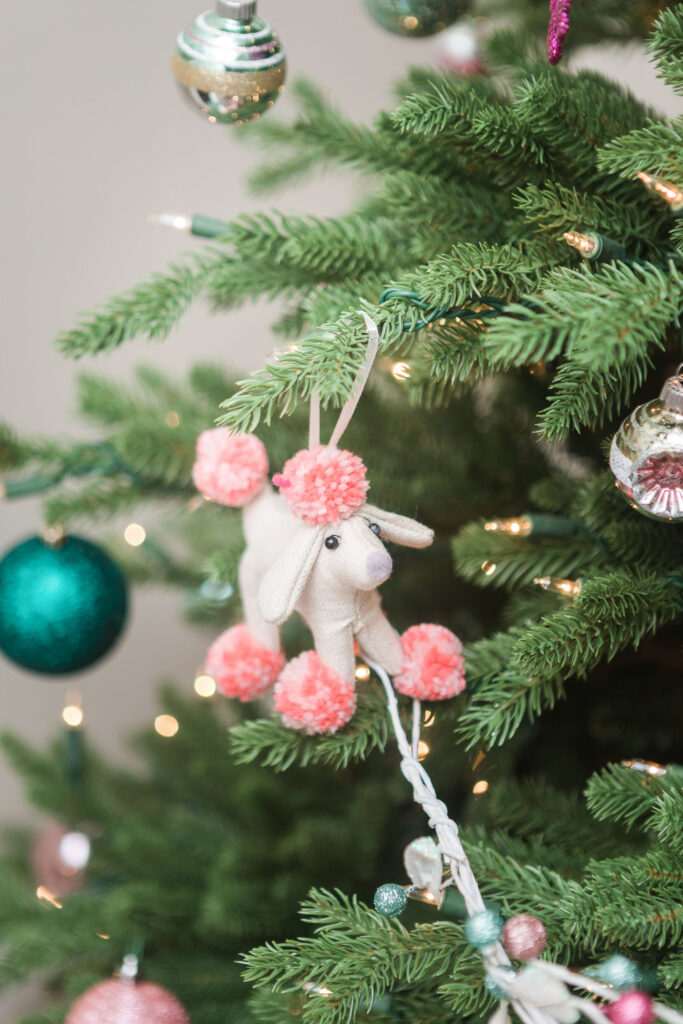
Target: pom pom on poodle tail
{"x": 230, "y": 469}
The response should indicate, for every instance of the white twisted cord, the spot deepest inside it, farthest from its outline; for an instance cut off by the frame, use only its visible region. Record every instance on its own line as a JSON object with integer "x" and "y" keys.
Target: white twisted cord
{"x": 464, "y": 880}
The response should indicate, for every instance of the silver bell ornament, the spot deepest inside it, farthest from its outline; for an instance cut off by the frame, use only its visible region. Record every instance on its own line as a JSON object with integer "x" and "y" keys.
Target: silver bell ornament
{"x": 230, "y": 63}
{"x": 647, "y": 454}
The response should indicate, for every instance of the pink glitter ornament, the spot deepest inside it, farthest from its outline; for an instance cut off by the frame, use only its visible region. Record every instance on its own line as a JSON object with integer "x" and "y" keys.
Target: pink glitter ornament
{"x": 323, "y": 484}
{"x": 631, "y": 1008}
{"x": 240, "y": 666}
{"x": 311, "y": 696}
{"x": 230, "y": 469}
{"x": 121, "y": 1001}
{"x": 524, "y": 936}
{"x": 557, "y": 28}
{"x": 434, "y": 668}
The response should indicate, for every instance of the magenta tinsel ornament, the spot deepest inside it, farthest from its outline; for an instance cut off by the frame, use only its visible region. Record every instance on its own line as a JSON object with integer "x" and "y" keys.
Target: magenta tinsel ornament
{"x": 558, "y": 28}
{"x": 524, "y": 936}
{"x": 124, "y": 1001}
{"x": 631, "y": 1008}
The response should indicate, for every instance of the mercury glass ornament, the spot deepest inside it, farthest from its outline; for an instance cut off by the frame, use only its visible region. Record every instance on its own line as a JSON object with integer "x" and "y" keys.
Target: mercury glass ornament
{"x": 230, "y": 63}
{"x": 414, "y": 17}
{"x": 647, "y": 454}
{"x": 63, "y": 604}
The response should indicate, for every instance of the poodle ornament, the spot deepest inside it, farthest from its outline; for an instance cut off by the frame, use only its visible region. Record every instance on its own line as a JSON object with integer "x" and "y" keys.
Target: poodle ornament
{"x": 315, "y": 546}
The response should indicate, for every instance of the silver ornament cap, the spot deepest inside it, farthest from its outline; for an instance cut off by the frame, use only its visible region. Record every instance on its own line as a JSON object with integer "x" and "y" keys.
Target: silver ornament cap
{"x": 646, "y": 456}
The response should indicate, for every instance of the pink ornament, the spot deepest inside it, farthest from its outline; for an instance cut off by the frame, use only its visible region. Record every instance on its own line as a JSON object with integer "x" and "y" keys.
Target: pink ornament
{"x": 323, "y": 484}
{"x": 240, "y": 666}
{"x": 49, "y": 869}
{"x": 558, "y": 28}
{"x": 631, "y": 1008}
{"x": 230, "y": 468}
{"x": 311, "y": 696}
{"x": 524, "y": 936}
{"x": 434, "y": 668}
{"x": 120, "y": 1001}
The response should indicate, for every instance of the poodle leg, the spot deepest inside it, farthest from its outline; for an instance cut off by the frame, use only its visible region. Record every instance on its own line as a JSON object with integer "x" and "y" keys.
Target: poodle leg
{"x": 246, "y": 659}
{"x": 316, "y": 691}
{"x": 378, "y": 639}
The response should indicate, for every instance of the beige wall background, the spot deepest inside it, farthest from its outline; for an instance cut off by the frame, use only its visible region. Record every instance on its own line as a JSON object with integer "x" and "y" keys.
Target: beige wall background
{"x": 95, "y": 138}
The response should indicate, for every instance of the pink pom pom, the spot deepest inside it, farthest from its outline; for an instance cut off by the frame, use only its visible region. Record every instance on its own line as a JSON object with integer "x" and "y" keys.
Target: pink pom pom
{"x": 434, "y": 668}
{"x": 240, "y": 666}
{"x": 524, "y": 936}
{"x": 323, "y": 484}
{"x": 230, "y": 468}
{"x": 631, "y": 1008}
{"x": 311, "y": 696}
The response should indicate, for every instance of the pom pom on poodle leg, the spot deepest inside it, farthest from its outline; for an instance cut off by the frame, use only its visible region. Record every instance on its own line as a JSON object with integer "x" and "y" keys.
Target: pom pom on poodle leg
{"x": 433, "y": 666}
{"x": 312, "y": 696}
{"x": 241, "y": 666}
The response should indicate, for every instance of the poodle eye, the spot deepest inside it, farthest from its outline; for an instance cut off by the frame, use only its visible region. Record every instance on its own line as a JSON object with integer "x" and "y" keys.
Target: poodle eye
{"x": 376, "y": 528}
{"x": 332, "y": 542}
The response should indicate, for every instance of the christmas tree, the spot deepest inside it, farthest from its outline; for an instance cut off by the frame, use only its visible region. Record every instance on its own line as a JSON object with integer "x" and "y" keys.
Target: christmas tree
{"x": 526, "y": 287}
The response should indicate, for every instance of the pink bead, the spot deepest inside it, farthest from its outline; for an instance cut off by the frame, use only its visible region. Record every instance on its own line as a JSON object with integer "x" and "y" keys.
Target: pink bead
{"x": 118, "y": 1001}
{"x": 631, "y": 1008}
{"x": 524, "y": 936}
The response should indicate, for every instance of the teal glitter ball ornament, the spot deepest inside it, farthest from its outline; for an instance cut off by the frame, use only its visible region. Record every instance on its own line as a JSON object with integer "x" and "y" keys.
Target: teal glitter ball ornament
{"x": 483, "y": 928}
{"x": 415, "y": 17}
{"x": 390, "y": 900}
{"x": 619, "y": 971}
{"x": 63, "y": 604}
{"x": 230, "y": 63}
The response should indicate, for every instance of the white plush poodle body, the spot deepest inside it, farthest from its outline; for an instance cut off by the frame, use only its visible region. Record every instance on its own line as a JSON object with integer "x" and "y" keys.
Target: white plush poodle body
{"x": 328, "y": 573}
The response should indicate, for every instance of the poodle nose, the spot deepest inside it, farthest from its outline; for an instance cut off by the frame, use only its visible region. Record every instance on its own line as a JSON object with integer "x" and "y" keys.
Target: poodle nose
{"x": 379, "y": 565}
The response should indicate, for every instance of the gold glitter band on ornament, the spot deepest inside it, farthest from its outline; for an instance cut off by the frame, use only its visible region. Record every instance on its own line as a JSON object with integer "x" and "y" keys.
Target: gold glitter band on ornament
{"x": 233, "y": 83}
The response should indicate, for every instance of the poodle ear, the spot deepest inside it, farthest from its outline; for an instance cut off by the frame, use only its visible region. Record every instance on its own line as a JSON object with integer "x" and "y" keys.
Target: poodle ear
{"x": 398, "y": 529}
{"x": 282, "y": 584}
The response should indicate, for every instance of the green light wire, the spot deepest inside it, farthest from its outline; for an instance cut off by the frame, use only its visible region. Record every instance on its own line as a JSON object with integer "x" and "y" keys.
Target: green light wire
{"x": 434, "y": 313}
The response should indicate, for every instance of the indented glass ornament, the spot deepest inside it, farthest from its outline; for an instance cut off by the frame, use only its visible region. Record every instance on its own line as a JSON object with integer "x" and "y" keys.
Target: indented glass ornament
{"x": 63, "y": 604}
{"x": 230, "y": 62}
{"x": 415, "y": 17}
{"x": 647, "y": 454}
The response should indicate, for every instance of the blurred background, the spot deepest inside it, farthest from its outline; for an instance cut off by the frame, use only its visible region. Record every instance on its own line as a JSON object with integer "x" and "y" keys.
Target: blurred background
{"x": 96, "y": 138}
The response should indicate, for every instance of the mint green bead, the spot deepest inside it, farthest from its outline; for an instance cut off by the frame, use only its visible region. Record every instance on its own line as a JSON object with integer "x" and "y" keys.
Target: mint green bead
{"x": 484, "y": 928}
{"x": 390, "y": 900}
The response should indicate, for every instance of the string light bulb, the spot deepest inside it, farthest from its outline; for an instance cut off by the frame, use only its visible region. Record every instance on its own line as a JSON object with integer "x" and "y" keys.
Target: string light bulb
{"x": 400, "y": 371}
{"x": 593, "y": 246}
{"x": 135, "y": 535}
{"x": 197, "y": 224}
{"x": 671, "y": 193}
{"x": 422, "y": 750}
{"x": 362, "y": 673}
{"x": 488, "y": 568}
{"x": 166, "y": 725}
{"x": 204, "y": 685}
{"x": 644, "y": 767}
{"x": 565, "y": 588}
{"x": 480, "y": 787}
{"x": 72, "y": 712}
{"x": 520, "y": 526}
